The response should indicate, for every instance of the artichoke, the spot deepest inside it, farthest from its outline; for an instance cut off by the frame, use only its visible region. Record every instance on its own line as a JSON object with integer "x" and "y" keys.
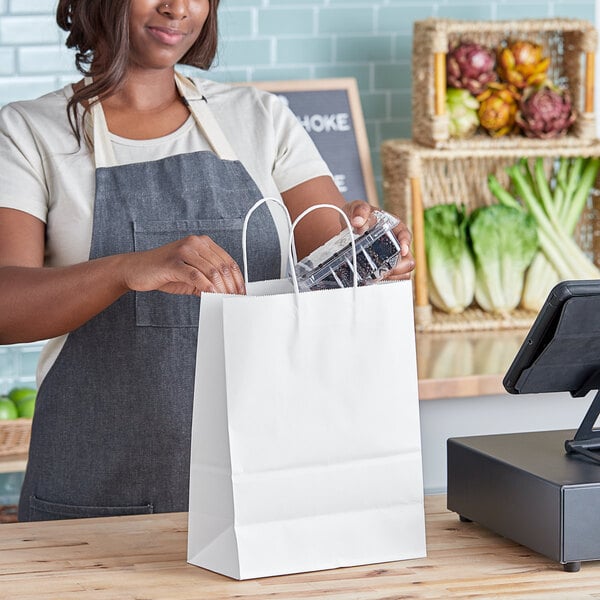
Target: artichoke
{"x": 522, "y": 64}
{"x": 461, "y": 107}
{"x": 497, "y": 109}
{"x": 545, "y": 112}
{"x": 470, "y": 66}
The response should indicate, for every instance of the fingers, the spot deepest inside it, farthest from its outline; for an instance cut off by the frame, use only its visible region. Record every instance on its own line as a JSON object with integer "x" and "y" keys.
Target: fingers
{"x": 192, "y": 265}
{"x": 360, "y": 214}
{"x": 406, "y": 262}
{"x": 404, "y": 237}
{"x": 403, "y": 269}
{"x": 213, "y": 269}
{"x": 362, "y": 218}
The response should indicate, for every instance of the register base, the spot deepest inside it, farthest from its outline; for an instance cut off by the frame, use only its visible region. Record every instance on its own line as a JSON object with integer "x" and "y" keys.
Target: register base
{"x": 525, "y": 487}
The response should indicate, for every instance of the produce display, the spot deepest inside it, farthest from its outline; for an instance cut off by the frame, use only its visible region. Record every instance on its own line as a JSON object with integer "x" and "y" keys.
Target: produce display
{"x": 510, "y": 254}
{"x": 508, "y": 88}
{"x": 556, "y": 203}
{"x": 19, "y": 402}
{"x": 497, "y": 176}
{"x": 482, "y": 256}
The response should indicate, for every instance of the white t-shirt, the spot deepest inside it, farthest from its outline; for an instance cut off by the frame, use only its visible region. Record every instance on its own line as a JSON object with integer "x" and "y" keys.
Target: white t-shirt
{"x": 45, "y": 173}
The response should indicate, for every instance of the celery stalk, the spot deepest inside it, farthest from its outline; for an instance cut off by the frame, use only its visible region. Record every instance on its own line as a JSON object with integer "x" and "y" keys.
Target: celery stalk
{"x": 573, "y": 181}
{"x": 560, "y": 186}
{"x": 501, "y": 194}
{"x": 544, "y": 193}
{"x": 554, "y": 240}
{"x": 579, "y": 198}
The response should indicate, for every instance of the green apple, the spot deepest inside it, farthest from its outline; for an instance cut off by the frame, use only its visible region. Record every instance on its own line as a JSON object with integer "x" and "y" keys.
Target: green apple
{"x": 8, "y": 409}
{"x": 26, "y": 407}
{"x": 21, "y": 393}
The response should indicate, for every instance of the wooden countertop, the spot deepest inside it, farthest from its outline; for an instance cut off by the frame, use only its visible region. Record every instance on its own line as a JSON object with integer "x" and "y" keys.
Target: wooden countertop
{"x": 127, "y": 558}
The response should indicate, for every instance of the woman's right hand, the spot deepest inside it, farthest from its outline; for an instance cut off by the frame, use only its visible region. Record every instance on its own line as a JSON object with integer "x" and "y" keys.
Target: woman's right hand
{"x": 192, "y": 265}
{"x": 38, "y": 302}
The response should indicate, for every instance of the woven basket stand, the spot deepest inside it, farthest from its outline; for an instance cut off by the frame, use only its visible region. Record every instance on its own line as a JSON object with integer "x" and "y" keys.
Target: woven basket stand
{"x": 569, "y": 43}
{"x": 416, "y": 177}
{"x": 15, "y": 435}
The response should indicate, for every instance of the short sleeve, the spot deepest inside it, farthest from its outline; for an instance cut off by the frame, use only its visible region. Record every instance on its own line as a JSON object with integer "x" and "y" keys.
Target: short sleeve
{"x": 297, "y": 159}
{"x": 22, "y": 181}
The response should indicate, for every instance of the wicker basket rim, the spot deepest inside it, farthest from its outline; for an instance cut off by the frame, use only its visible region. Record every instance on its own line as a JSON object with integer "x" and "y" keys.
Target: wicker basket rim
{"x": 408, "y": 146}
{"x": 14, "y": 436}
{"x": 13, "y": 423}
{"x": 549, "y": 24}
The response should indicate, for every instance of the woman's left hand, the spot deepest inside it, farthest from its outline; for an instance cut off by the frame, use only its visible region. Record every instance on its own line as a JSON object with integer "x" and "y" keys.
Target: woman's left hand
{"x": 361, "y": 218}
{"x": 320, "y": 226}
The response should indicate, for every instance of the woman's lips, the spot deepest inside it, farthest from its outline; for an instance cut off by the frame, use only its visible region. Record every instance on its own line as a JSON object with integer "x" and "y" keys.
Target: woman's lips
{"x": 166, "y": 35}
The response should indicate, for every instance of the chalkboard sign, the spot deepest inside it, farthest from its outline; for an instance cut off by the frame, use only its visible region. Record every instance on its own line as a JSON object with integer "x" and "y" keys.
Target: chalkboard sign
{"x": 331, "y": 113}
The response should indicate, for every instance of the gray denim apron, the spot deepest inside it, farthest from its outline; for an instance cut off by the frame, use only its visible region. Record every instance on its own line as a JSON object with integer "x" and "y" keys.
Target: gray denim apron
{"x": 111, "y": 432}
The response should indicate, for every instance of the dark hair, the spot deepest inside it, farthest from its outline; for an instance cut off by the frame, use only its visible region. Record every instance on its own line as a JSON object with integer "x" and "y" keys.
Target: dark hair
{"x": 99, "y": 32}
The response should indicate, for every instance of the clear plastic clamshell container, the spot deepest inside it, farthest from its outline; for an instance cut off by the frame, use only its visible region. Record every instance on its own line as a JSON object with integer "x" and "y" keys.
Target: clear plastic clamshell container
{"x": 331, "y": 265}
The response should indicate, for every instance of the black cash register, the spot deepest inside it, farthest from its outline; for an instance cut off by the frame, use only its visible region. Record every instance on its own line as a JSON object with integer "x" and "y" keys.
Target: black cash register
{"x": 542, "y": 489}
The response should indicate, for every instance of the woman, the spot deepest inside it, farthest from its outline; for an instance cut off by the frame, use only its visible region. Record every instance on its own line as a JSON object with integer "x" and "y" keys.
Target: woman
{"x": 129, "y": 184}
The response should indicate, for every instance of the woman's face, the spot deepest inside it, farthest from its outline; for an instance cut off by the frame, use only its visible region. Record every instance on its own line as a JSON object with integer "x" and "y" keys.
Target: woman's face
{"x": 162, "y": 32}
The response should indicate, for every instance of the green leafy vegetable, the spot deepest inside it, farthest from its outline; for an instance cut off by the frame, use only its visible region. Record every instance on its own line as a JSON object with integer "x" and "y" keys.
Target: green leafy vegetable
{"x": 504, "y": 241}
{"x": 461, "y": 108}
{"x": 451, "y": 271}
{"x": 556, "y": 201}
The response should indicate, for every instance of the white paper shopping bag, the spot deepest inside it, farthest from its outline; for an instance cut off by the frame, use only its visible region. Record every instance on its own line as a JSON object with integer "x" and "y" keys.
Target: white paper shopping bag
{"x": 305, "y": 438}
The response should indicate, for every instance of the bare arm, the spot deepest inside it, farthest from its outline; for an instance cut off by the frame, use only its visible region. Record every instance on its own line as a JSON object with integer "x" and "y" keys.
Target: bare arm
{"x": 321, "y": 225}
{"x": 38, "y": 302}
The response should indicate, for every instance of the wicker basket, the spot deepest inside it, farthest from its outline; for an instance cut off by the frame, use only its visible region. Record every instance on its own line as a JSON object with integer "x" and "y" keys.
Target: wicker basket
{"x": 14, "y": 436}
{"x": 416, "y": 177}
{"x": 569, "y": 43}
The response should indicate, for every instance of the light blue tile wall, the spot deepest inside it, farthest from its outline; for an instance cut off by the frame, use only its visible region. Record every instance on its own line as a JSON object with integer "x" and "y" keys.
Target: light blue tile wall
{"x": 18, "y": 364}
{"x": 281, "y": 39}
{"x": 268, "y": 40}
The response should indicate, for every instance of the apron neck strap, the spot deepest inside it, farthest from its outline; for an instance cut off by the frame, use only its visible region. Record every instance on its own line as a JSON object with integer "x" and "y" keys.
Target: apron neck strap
{"x": 197, "y": 104}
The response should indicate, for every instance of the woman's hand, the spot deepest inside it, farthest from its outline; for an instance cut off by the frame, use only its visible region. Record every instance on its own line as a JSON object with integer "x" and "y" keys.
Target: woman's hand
{"x": 362, "y": 218}
{"x": 38, "y": 302}
{"x": 192, "y": 265}
{"x": 406, "y": 262}
{"x": 322, "y": 225}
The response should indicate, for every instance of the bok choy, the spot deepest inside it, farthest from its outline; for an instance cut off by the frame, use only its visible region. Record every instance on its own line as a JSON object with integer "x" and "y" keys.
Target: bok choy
{"x": 504, "y": 241}
{"x": 450, "y": 266}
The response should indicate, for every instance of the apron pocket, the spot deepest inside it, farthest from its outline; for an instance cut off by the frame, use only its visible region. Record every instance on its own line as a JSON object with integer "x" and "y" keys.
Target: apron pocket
{"x": 42, "y": 510}
{"x": 159, "y": 309}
